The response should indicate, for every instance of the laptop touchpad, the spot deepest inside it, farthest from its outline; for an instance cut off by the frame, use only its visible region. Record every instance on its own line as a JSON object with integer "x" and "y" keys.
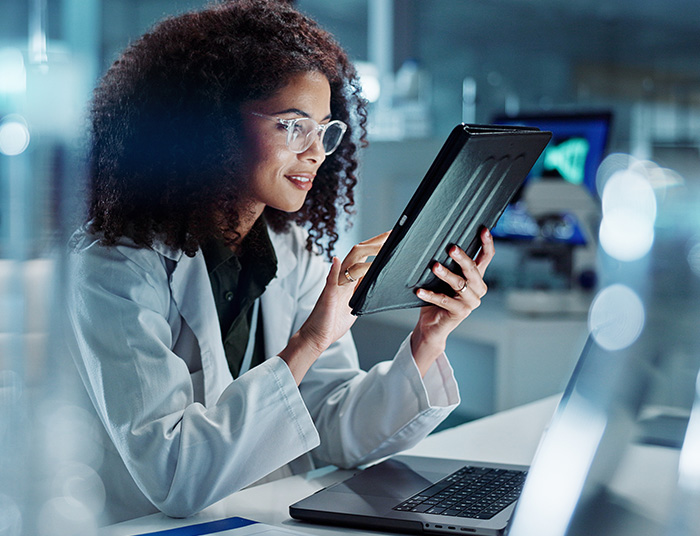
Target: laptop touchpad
{"x": 391, "y": 478}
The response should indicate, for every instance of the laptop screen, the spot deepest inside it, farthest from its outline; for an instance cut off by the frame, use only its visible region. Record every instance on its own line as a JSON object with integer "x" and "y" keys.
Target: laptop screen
{"x": 623, "y": 394}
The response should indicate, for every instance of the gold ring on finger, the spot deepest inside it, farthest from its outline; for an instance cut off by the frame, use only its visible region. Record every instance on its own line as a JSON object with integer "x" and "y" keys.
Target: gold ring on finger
{"x": 350, "y": 278}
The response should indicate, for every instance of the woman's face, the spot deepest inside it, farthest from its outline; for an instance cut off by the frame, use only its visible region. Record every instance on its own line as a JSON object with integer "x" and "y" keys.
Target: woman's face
{"x": 276, "y": 176}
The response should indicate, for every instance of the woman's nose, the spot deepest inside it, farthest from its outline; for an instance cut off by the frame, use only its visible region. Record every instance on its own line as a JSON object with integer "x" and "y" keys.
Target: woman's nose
{"x": 316, "y": 151}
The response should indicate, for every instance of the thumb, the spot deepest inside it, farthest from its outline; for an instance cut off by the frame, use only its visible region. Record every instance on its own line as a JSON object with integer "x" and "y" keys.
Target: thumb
{"x": 330, "y": 289}
{"x": 334, "y": 273}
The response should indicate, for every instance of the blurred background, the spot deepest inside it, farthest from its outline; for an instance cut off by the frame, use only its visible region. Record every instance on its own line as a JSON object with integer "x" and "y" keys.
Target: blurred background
{"x": 617, "y": 82}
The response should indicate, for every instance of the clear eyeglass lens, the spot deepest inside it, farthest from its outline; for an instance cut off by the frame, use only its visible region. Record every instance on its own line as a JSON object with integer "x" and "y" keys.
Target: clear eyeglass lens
{"x": 299, "y": 135}
{"x": 333, "y": 135}
{"x": 303, "y": 130}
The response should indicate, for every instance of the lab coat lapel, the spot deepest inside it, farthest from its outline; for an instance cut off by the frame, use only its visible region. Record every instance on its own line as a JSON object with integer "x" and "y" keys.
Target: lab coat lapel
{"x": 278, "y": 302}
{"x": 191, "y": 290}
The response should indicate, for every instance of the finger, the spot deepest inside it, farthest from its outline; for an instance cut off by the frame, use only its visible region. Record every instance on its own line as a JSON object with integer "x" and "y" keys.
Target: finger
{"x": 334, "y": 280}
{"x": 458, "y": 283}
{"x": 357, "y": 271}
{"x": 362, "y": 251}
{"x": 334, "y": 274}
{"x": 347, "y": 278}
{"x": 470, "y": 270}
{"x": 354, "y": 274}
{"x": 456, "y": 307}
{"x": 487, "y": 252}
{"x": 380, "y": 238}
{"x": 367, "y": 248}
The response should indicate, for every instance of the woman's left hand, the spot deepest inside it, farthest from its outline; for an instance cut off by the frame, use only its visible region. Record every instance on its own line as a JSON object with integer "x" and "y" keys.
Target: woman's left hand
{"x": 437, "y": 321}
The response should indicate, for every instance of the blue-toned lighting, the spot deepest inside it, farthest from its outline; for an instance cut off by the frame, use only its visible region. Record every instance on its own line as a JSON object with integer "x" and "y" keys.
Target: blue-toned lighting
{"x": 616, "y": 317}
{"x": 14, "y": 135}
{"x": 13, "y": 74}
{"x": 369, "y": 80}
{"x": 629, "y": 214}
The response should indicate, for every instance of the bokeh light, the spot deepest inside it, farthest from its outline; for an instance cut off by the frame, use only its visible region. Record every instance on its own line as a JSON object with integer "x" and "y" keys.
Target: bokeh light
{"x": 369, "y": 80}
{"x": 609, "y": 166}
{"x": 616, "y": 317}
{"x": 694, "y": 256}
{"x": 80, "y": 482}
{"x": 658, "y": 177}
{"x": 65, "y": 515}
{"x": 629, "y": 214}
{"x": 72, "y": 432}
{"x": 13, "y": 74}
{"x": 10, "y": 517}
{"x": 14, "y": 135}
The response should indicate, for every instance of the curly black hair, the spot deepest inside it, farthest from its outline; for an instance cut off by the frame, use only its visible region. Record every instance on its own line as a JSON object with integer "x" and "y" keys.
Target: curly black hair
{"x": 165, "y": 149}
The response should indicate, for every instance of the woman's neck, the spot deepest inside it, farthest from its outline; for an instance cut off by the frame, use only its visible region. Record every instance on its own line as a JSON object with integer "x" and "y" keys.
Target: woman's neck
{"x": 246, "y": 221}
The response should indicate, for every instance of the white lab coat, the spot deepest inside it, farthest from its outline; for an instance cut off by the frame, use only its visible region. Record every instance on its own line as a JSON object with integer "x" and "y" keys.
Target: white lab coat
{"x": 180, "y": 432}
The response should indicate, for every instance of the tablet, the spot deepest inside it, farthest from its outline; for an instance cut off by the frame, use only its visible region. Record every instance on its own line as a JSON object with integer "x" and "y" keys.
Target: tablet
{"x": 473, "y": 178}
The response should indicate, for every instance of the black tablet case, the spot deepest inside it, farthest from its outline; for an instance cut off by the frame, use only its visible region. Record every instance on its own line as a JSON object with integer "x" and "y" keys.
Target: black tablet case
{"x": 473, "y": 178}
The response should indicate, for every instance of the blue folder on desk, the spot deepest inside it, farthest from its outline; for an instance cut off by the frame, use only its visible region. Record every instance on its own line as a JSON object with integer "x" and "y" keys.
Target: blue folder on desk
{"x": 231, "y": 525}
{"x": 209, "y": 527}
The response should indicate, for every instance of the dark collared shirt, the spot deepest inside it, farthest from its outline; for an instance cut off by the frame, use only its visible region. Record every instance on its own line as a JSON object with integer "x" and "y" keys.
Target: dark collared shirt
{"x": 237, "y": 281}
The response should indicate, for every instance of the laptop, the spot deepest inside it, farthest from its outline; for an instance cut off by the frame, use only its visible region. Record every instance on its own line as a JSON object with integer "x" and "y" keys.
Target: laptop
{"x": 420, "y": 495}
{"x": 414, "y": 494}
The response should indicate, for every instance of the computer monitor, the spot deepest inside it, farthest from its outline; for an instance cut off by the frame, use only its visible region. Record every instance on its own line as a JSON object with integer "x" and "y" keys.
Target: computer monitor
{"x": 577, "y": 147}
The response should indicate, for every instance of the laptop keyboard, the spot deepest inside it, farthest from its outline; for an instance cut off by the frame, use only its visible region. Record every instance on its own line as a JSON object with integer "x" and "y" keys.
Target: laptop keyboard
{"x": 476, "y": 492}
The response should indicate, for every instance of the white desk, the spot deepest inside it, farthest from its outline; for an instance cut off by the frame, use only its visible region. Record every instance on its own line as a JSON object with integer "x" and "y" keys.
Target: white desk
{"x": 511, "y": 436}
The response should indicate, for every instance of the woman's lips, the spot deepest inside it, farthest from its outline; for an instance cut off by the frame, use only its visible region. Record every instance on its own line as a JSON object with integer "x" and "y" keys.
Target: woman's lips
{"x": 303, "y": 182}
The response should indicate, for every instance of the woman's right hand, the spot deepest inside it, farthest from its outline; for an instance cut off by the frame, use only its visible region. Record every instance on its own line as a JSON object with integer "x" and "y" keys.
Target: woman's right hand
{"x": 331, "y": 317}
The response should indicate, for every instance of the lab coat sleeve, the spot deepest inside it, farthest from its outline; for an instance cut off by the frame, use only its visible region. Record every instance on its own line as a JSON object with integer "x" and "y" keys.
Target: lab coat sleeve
{"x": 381, "y": 412}
{"x": 363, "y": 416}
{"x": 182, "y": 455}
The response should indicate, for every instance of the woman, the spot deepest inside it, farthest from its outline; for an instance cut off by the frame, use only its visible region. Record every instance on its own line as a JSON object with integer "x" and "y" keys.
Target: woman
{"x": 215, "y": 137}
